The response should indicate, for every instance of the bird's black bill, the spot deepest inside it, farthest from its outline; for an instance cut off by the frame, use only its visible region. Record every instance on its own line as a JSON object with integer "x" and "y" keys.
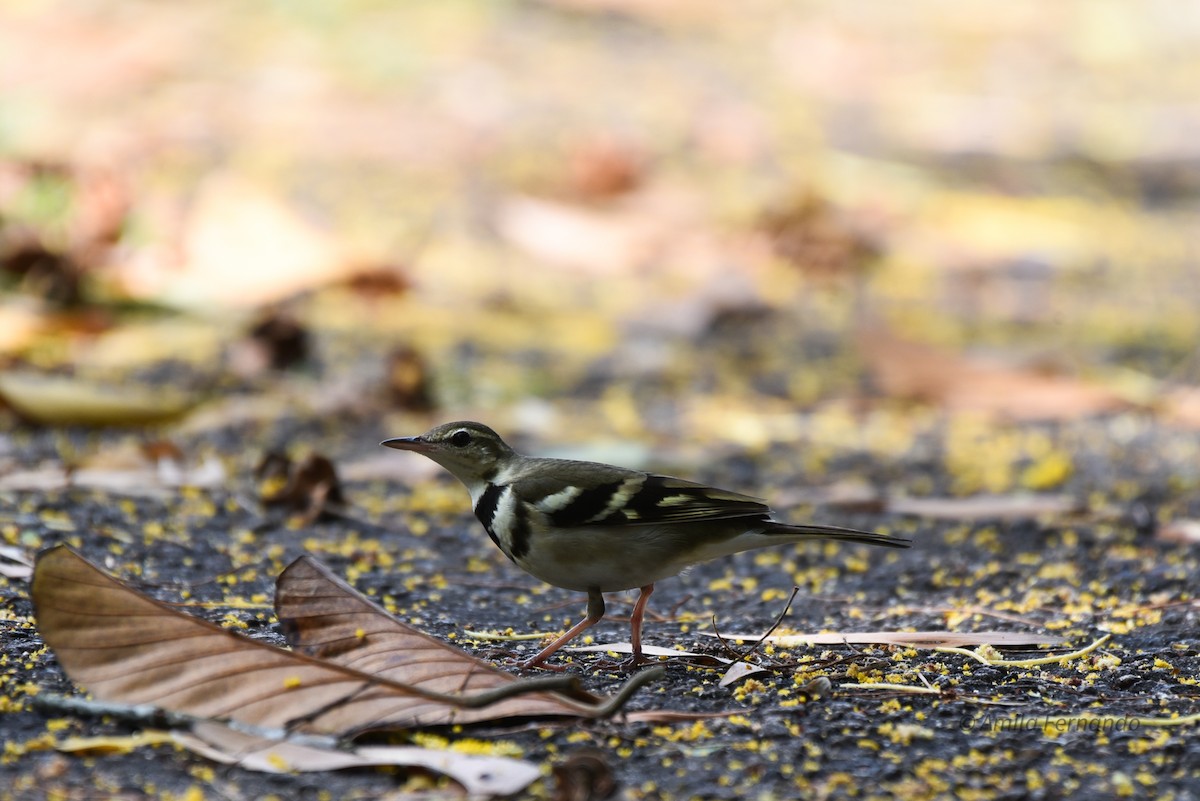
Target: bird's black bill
{"x": 403, "y": 443}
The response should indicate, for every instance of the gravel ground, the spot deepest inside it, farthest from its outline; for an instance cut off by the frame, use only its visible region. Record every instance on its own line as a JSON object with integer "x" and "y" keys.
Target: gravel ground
{"x": 991, "y": 732}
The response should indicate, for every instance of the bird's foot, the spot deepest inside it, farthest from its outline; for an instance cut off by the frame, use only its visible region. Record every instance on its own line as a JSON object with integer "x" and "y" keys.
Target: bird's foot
{"x": 629, "y": 665}
{"x": 511, "y": 661}
{"x": 535, "y": 664}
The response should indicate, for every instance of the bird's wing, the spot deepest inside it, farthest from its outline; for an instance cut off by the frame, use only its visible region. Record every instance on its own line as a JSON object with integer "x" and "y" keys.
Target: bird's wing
{"x": 627, "y": 497}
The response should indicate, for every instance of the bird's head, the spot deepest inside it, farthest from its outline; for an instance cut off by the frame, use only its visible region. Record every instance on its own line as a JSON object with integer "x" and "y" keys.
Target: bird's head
{"x": 473, "y": 452}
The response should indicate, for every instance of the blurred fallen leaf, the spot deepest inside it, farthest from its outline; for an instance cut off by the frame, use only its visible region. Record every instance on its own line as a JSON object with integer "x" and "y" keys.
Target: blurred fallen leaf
{"x": 480, "y": 776}
{"x": 584, "y": 776}
{"x": 1181, "y": 406}
{"x": 276, "y": 341}
{"x": 43, "y": 273}
{"x": 385, "y": 467}
{"x": 408, "y": 380}
{"x": 808, "y": 232}
{"x": 592, "y": 241}
{"x": 1185, "y": 532}
{"x": 20, "y": 323}
{"x": 987, "y": 507}
{"x": 310, "y": 487}
{"x": 100, "y": 210}
{"x": 602, "y": 167}
{"x": 656, "y": 12}
{"x": 929, "y": 374}
{"x": 242, "y": 246}
{"x": 105, "y": 746}
{"x": 15, "y": 563}
{"x": 154, "y": 469}
{"x": 145, "y": 342}
{"x": 125, "y": 647}
{"x": 378, "y": 280}
{"x": 847, "y": 495}
{"x": 915, "y": 639}
{"x": 68, "y": 400}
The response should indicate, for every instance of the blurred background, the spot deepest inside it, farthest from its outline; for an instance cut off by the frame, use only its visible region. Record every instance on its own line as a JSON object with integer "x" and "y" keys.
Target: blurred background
{"x": 934, "y": 233}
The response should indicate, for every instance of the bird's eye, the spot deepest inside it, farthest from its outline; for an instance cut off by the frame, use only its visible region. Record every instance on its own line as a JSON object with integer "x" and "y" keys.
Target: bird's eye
{"x": 461, "y": 438}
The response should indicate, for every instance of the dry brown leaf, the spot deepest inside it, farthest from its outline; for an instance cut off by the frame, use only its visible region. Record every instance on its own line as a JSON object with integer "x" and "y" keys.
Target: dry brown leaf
{"x": 326, "y": 618}
{"x": 986, "y": 507}
{"x": 125, "y": 647}
{"x": 916, "y": 639}
{"x": 929, "y": 374}
{"x": 480, "y": 775}
{"x": 65, "y": 400}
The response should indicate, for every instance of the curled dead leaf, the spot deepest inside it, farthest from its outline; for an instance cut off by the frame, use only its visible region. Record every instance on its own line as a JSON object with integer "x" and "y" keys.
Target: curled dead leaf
{"x": 125, "y": 647}
{"x": 324, "y": 617}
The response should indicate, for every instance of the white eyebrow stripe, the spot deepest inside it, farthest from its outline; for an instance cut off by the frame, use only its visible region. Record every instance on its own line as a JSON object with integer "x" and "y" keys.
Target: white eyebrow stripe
{"x": 559, "y": 500}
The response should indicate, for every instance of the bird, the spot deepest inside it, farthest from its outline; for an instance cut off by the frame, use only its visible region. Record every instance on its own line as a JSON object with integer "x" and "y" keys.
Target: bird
{"x": 597, "y": 528}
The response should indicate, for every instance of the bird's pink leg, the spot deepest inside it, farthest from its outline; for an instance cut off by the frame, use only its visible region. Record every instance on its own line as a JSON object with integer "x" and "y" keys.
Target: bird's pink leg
{"x": 635, "y": 627}
{"x": 595, "y": 612}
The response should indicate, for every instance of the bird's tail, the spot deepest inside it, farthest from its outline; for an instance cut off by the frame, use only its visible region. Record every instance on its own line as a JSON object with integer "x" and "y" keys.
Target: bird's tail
{"x": 775, "y": 529}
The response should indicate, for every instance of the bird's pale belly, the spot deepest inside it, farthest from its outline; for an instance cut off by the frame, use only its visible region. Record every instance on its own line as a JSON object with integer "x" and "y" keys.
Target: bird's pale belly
{"x": 617, "y": 558}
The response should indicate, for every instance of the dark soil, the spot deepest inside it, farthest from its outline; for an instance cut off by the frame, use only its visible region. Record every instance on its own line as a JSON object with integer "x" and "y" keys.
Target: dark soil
{"x": 992, "y": 732}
